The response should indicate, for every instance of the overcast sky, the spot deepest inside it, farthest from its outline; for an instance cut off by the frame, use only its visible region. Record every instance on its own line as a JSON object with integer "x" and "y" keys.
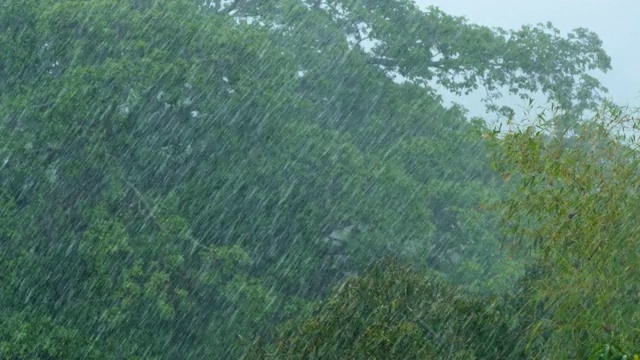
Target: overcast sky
{"x": 615, "y": 21}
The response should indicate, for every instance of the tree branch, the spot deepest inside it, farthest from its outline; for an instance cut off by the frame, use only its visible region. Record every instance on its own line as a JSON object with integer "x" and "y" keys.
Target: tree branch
{"x": 384, "y": 61}
{"x": 387, "y": 62}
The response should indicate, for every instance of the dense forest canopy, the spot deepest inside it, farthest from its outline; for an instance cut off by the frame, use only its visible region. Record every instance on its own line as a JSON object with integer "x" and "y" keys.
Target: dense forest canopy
{"x": 248, "y": 179}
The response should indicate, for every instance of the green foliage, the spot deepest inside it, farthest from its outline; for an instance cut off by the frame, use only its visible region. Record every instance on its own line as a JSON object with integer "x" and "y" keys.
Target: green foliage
{"x": 611, "y": 352}
{"x": 428, "y": 46}
{"x": 176, "y": 180}
{"x": 304, "y": 188}
{"x": 393, "y": 312}
{"x": 94, "y": 247}
{"x": 574, "y": 202}
{"x": 30, "y": 335}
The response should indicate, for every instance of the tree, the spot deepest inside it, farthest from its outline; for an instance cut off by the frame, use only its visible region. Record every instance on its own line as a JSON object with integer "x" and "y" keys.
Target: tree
{"x": 394, "y": 312}
{"x": 573, "y": 205}
{"x": 431, "y": 46}
{"x": 167, "y": 167}
{"x": 97, "y": 123}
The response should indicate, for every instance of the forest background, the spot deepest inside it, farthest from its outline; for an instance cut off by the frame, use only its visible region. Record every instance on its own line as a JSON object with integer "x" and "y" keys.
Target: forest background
{"x": 280, "y": 179}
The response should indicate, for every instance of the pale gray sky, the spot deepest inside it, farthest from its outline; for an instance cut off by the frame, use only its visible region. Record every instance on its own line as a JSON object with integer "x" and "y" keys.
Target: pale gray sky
{"x": 615, "y": 21}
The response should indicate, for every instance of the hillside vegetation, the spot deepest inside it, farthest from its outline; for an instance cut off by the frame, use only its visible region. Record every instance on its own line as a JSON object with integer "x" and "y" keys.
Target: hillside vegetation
{"x": 280, "y": 179}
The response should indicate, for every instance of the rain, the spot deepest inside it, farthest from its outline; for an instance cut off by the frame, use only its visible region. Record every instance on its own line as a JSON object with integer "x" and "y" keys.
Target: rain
{"x": 312, "y": 179}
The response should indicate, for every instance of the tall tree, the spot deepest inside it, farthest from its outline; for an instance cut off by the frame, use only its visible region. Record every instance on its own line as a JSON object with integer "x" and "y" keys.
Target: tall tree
{"x": 428, "y": 47}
